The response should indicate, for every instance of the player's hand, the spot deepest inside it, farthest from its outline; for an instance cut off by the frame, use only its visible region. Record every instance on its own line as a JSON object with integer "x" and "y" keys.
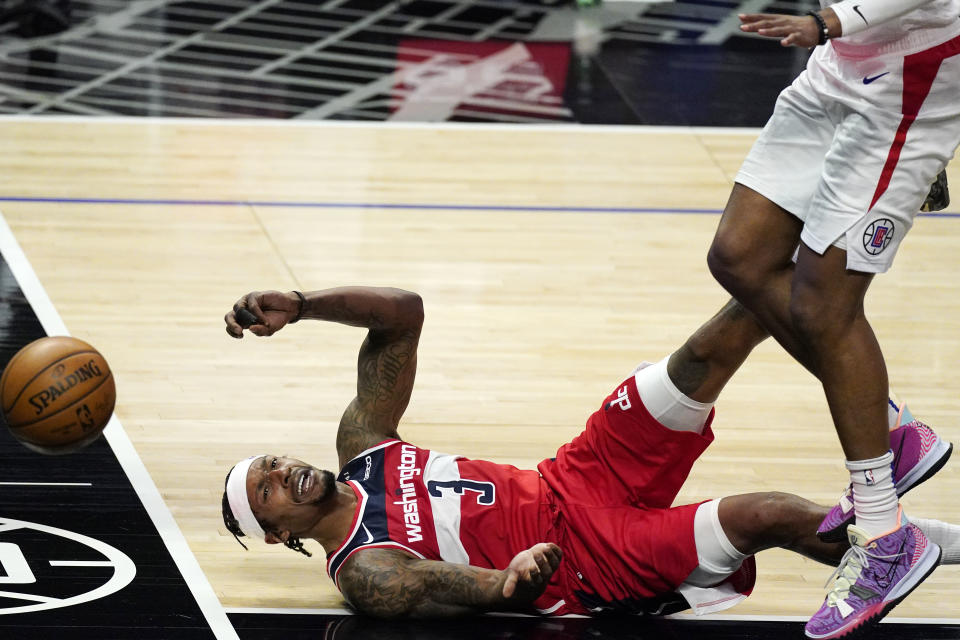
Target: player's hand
{"x": 796, "y": 31}
{"x": 529, "y": 572}
{"x": 271, "y": 311}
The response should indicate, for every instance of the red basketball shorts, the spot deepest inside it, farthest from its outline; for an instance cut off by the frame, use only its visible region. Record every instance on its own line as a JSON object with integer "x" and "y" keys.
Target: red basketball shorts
{"x": 624, "y": 544}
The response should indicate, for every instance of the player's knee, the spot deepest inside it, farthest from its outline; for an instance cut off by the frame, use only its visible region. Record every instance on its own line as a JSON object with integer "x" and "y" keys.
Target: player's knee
{"x": 729, "y": 262}
{"x": 778, "y": 518}
{"x": 817, "y": 315}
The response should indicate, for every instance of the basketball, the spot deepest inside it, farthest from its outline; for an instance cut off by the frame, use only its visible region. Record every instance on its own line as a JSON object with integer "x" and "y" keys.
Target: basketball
{"x": 57, "y": 395}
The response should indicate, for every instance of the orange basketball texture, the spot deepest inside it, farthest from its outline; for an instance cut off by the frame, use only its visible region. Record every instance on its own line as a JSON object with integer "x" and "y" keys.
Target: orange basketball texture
{"x": 57, "y": 394}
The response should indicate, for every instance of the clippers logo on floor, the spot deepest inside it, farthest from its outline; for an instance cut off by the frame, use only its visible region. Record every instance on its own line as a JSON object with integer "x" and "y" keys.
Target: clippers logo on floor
{"x": 878, "y": 235}
{"x": 41, "y": 563}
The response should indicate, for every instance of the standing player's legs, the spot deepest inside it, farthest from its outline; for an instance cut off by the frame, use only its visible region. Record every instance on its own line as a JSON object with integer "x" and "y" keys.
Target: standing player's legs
{"x": 723, "y": 343}
{"x": 711, "y": 355}
{"x": 702, "y": 366}
{"x": 872, "y": 166}
{"x": 893, "y": 556}
{"x": 827, "y": 311}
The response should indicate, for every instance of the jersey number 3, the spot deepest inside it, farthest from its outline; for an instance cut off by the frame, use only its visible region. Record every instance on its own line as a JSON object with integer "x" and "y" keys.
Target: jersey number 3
{"x": 486, "y": 493}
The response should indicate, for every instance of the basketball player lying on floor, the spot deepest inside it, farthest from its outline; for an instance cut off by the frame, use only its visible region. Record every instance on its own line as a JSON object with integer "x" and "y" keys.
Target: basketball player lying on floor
{"x": 412, "y": 532}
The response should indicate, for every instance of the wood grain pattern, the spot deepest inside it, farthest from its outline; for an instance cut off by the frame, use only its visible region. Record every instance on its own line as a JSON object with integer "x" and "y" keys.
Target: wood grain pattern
{"x": 532, "y": 316}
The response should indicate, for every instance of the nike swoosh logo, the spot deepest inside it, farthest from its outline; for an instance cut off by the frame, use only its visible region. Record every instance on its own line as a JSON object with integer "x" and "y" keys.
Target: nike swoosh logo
{"x": 856, "y": 8}
{"x": 888, "y": 576}
{"x": 868, "y": 79}
{"x": 369, "y": 535}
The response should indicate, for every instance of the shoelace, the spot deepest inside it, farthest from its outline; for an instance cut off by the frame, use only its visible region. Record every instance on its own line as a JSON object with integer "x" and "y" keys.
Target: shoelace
{"x": 854, "y": 561}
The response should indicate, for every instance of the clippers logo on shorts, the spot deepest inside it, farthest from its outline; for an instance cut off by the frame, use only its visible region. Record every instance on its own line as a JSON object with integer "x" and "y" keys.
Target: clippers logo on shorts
{"x": 878, "y": 235}
{"x": 34, "y": 582}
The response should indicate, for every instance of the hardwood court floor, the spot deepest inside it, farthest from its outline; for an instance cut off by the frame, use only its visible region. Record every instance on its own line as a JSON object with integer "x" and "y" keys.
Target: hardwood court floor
{"x": 550, "y": 260}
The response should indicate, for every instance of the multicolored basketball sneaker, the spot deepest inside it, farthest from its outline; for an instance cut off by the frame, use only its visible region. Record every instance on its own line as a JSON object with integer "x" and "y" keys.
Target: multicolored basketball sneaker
{"x": 918, "y": 453}
{"x": 873, "y": 577}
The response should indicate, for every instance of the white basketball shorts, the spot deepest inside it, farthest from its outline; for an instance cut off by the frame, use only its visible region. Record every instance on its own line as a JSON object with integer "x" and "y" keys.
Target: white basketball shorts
{"x": 853, "y": 145}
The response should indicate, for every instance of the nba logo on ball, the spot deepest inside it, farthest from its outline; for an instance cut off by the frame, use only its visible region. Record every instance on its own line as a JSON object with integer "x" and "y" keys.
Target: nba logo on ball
{"x": 878, "y": 235}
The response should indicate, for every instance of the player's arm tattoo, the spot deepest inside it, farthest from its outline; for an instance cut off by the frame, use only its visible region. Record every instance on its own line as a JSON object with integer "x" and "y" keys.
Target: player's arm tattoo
{"x": 391, "y": 584}
{"x": 386, "y": 369}
{"x": 385, "y": 377}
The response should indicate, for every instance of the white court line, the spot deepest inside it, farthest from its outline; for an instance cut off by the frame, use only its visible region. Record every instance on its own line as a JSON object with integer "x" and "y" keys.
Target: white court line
{"x": 122, "y": 447}
{"x": 293, "y": 611}
{"x": 676, "y": 616}
{"x": 366, "y": 124}
{"x": 82, "y": 563}
{"x": 27, "y": 596}
{"x": 46, "y": 484}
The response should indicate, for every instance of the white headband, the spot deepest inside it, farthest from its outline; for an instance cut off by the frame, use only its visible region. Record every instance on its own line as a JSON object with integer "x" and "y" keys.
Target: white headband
{"x": 239, "y": 502}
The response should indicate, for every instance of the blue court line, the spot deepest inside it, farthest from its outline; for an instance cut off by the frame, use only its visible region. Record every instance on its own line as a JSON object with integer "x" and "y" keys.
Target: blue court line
{"x": 360, "y": 205}
{"x": 391, "y": 205}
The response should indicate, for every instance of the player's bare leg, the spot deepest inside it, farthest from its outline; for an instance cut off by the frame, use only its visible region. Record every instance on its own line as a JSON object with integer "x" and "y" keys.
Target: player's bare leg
{"x": 815, "y": 321}
{"x": 704, "y": 364}
{"x": 814, "y": 309}
{"x": 754, "y": 522}
{"x": 709, "y": 358}
{"x": 752, "y": 258}
{"x": 817, "y": 314}
{"x": 827, "y": 312}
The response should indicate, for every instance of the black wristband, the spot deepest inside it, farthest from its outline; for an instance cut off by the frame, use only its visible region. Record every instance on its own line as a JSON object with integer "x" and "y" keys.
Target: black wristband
{"x": 299, "y": 315}
{"x": 821, "y": 25}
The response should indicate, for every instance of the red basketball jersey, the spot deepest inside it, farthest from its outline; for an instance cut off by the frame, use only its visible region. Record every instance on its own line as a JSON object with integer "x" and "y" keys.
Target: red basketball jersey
{"x": 443, "y": 507}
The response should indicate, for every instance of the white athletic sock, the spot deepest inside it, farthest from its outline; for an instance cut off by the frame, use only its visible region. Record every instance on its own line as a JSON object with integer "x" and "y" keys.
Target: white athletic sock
{"x": 666, "y": 403}
{"x": 893, "y": 414}
{"x": 944, "y": 534}
{"x": 874, "y": 496}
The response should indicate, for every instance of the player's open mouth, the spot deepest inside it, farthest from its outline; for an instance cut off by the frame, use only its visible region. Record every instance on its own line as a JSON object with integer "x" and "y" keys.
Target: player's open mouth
{"x": 305, "y": 482}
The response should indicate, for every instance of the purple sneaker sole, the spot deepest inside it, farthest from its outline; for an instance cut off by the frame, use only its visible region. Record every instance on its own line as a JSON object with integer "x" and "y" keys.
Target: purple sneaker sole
{"x": 834, "y": 526}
